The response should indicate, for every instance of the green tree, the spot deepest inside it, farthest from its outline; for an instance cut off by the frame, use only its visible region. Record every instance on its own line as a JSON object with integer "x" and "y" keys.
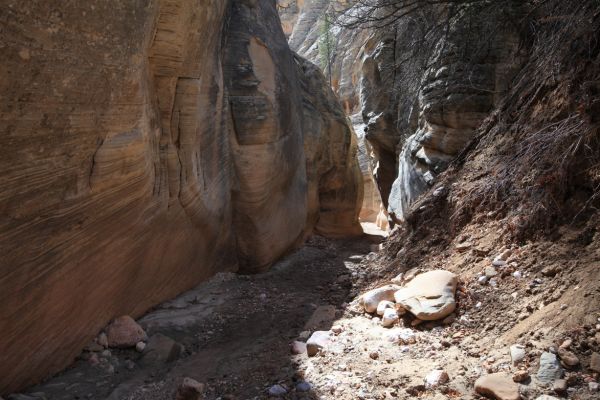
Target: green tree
{"x": 326, "y": 46}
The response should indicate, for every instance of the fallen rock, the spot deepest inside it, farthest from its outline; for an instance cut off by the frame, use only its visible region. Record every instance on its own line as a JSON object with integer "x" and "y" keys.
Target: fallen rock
{"x": 429, "y": 296}
{"x": 102, "y": 340}
{"x": 390, "y": 317}
{"x": 161, "y": 349}
{"x": 318, "y": 341}
{"x": 568, "y": 358}
{"x": 277, "y": 390}
{"x": 401, "y": 336}
{"x": 498, "y": 386}
{"x": 560, "y": 386}
{"x": 436, "y": 378}
{"x": 384, "y": 305}
{"x": 372, "y": 298}
{"x": 298, "y": 347}
{"x": 595, "y": 362}
{"x": 517, "y": 353}
{"x": 124, "y": 332}
{"x": 303, "y": 387}
{"x": 550, "y": 369}
{"x": 140, "y": 346}
{"x": 189, "y": 389}
{"x": 520, "y": 376}
{"x": 490, "y": 272}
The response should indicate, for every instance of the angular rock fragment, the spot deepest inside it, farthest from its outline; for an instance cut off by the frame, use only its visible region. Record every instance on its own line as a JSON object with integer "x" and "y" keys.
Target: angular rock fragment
{"x": 429, "y": 296}
{"x": 161, "y": 349}
{"x": 499, "y": 386}
{"x": 549, "y": 369}
{"x": 190, "y": 389}
{"x": 318, "y": 341}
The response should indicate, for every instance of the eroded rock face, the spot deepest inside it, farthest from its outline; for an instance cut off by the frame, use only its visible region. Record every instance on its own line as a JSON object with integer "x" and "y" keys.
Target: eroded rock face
{"x": 419, "y": 105}
{"x": 335, "y": 186}
{"x": 140, "y": 157}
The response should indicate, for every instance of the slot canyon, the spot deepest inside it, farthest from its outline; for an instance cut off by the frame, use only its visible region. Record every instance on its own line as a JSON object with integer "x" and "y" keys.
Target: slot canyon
{"x": 300, "y": 199}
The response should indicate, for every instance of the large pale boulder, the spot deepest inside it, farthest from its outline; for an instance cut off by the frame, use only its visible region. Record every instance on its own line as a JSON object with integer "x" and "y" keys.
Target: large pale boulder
{"x": 429, "y": 296}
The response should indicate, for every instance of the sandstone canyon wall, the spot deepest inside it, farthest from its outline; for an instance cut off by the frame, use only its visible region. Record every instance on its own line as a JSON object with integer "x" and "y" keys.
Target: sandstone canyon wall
{"x": 145, "y": 146}
{"x": 418, "y": 86}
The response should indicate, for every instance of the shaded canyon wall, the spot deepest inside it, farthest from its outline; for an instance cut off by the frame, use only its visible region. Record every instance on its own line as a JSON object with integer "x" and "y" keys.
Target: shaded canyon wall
{"x": 145, "y": 146}
{"x": 418, "y": 99}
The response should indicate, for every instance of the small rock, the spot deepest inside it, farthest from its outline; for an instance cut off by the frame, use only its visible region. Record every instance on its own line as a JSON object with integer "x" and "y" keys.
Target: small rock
{"x": 140, "y": 346}
{"x": 594, "y": 386}
{"x": 124, "y": 332}
{"x": 517, "y": 353}
{"x": 498, "y": 263}
{"x": 560, "y": 386}
{"x": 129, "y": 364}
{"x": 521, "y": 376}
{"x": 567, "y": 357}
{"x": 482, "y": 280}
{"x": 490, "y": 272}
{"x": 402, "y": 336}
{"x": 372, "y": 298}
{"x": 461, "y": 247}
{"x": 190, "y": 389}
{"x": 566, "y": 344}
{"x": 102, "y": 340}
{"x": 390, "y": 317}
{"x": 374, "y": 355}
{"x": 298, "y": 347}
{"x": 398, "y": 279}
{"x": 505, "y": 255}
{"x": 550, "y": 271}
{"x": 277, "y": 390}
{"x": 497, "y": 386}
{"x": 595, "y": 362}
{"x": 549, "y": 369}
{"x": 517, "y": 274}
{"x": 303, "y": 386}
{"x": 161, "y": 349}
{"x": 318, "y": 341}
{"x": 384, "y": 305}
{"x": 435, "y": 378}
{"x": 337, "y": 329}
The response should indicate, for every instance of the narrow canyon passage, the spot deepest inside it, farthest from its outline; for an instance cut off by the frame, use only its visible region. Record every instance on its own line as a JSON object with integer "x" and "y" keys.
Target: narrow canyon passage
{"x": 235, "y": 332}
{"x": 300, "y": 199}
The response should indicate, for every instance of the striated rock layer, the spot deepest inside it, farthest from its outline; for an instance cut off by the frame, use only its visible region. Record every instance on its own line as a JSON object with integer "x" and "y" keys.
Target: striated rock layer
{"x": 145, "y": 146}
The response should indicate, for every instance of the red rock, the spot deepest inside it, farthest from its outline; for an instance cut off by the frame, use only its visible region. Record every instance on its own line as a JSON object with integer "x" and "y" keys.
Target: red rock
{"x": 499, "y": 386}
{"x": 190, "y": 389}
{"x": 124, "y": 332}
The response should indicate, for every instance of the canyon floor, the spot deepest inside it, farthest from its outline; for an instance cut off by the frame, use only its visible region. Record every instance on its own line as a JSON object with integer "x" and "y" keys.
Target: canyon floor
{"x": 233, "y": 334}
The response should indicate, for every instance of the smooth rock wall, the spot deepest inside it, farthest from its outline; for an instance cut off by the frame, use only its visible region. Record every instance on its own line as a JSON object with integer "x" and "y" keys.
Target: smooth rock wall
{"x": 145, "y": 146}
